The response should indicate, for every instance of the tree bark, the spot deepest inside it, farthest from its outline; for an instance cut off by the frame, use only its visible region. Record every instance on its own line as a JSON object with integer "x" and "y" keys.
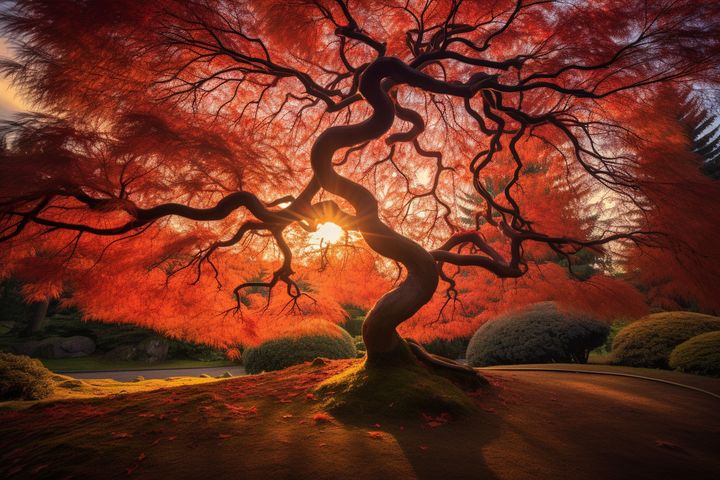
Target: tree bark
{"x": 379, "y": 329}
{"x": 37, "y": 317}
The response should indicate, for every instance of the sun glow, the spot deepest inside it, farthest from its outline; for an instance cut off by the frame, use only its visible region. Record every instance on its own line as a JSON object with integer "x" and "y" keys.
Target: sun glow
{"x": 328, "y": 232}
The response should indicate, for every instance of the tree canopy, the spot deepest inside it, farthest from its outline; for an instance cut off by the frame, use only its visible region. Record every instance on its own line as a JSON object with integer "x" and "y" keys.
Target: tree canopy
{"x": 185, "y": 152}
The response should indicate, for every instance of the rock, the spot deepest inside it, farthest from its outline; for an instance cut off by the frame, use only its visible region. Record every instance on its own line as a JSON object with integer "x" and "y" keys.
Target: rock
{"x": 57, "y": 347}
{"x": 139, "y": 378}
{"x": 123, "y": 352}
{"x": 319, "y": 362}
{"x": 74, "y": 347}
{"x": 153, "y": 349}
{"x": 226, "y": 375}
{"x": 205, "y": 375}
{"x": 72, "y": 384}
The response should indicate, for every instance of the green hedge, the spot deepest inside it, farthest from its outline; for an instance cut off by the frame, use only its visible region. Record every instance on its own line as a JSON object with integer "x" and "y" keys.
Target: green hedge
{"x": 23, "y": 378}
{"x": 285, "y": 352}
{"x": 354, "y": 325}
{"x": 194, "y": 351}
{"x": 538, "y": 334}
{"x": 700, "y": 354}
{"x": 649, "y": 341}
{"x": 452, "y": 349}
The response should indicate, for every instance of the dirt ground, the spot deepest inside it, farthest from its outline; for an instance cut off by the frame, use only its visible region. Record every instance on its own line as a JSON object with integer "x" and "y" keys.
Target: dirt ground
{"x": 530, "y": 425}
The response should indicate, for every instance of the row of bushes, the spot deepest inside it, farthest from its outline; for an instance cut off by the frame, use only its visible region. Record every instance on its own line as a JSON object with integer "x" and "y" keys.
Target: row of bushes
{"x": 681, "y": 340}
{"x": 684, "y": 341}
{"x": 539, "y": 334}
{"x": 542, "y": 333}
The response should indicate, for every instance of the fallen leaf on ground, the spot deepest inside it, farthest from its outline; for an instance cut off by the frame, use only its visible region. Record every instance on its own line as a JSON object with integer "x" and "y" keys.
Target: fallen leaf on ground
{"x": 321, "y": 417}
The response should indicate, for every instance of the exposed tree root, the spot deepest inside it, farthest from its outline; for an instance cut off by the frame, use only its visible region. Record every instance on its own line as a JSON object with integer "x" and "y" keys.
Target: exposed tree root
{"x": 465, "y": 375}
{"x": 392, "y": 390}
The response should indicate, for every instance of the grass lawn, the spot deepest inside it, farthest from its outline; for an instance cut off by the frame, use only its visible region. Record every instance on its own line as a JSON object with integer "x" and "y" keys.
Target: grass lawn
{"x": 539, "y": 425}
{"x": 99, "y": 363}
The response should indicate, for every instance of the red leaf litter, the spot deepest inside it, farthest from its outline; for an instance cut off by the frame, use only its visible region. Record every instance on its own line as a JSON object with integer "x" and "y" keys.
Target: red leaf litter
{"x": 434, "y": 422}
{"x": 322, "y": 417}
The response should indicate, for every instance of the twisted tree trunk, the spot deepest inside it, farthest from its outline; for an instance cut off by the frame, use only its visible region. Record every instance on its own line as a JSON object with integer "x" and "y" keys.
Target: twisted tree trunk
{"x": 379, "y": 330}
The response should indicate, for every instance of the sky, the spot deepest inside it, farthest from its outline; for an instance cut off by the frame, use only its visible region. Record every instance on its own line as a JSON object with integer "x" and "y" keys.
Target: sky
{"x": 10, "y": 100}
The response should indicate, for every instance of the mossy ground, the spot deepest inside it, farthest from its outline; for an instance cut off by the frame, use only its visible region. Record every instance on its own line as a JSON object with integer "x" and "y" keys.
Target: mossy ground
{"x": 68, "y": 388}
{"x": 536, "y": 425}
{"x": 394, "y": 391}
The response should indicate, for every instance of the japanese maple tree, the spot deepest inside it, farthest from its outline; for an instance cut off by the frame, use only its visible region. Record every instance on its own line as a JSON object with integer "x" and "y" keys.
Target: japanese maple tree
{"x": 204, "y": 141}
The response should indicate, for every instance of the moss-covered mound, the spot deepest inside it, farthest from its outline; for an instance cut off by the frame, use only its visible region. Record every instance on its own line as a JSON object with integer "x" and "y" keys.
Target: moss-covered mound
{"x": 23, "y": 378}
{"x": 293, "y": 350}
{"x": 700, "y": 354}
{"x": 393, "y": 391}
{"x": 649, "y": 341}
{"x": 539, "y": 334}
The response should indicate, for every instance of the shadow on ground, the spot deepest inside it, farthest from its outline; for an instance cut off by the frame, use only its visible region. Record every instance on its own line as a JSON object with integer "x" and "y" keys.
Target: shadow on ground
{"x": 536, "y": 425}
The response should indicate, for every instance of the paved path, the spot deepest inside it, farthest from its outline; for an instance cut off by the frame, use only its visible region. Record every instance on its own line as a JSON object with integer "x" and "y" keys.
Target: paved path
{"x": 126, "y": 375}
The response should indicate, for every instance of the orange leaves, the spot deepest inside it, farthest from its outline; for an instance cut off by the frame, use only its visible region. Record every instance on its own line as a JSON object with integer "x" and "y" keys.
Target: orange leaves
{"x": 321, "y": 418}
{"x": 679, "y": 202}
{"x": 223, "y": 97}
{"x": 241, "y": 411}
{"x": 436, "y": 421}
{"x": 482, "y": 297}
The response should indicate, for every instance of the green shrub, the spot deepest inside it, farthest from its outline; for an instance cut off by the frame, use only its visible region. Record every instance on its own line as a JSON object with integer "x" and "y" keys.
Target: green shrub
{"x": 354, "y": 310}
{"x": 23, "y": 378}
{"x": 13, "y": 308}
{"x": 287, "y": 351}
{"x": 538, "y": 334}
{"x": 354, "y": 325}
{"x": 194, "y": 351}
{"x": 615, "y": 328}
{"x": 649, "y": 341}
{"x": 453, "y": 349}
{"x": 700, "y": 354}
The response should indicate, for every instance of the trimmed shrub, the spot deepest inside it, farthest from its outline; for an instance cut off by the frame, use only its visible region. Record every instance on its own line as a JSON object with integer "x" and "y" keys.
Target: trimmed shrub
{"x": 354, "y": 310}
{"x": 194, "y": 351}
{"x": 615, "y": 327}
{"x": 649, "y": 341}
{"x": 23, "y": 378}
{"x": 292, "y": 350}
{"x": 354, "y": 325}
{"x": 453, "y": 349}
{"x": 538, "y": 334}
{"x": 700, "y": 354}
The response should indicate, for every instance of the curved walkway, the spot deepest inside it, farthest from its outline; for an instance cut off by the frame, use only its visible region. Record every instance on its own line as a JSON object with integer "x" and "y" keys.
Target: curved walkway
{"x": 704, "y": 385}
{"x": 127, "y": 375}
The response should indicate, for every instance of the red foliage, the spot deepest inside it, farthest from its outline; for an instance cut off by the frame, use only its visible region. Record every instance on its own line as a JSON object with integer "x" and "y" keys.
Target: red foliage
{"x": 179, "y": 168}
{"x": 679, "y": 201}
